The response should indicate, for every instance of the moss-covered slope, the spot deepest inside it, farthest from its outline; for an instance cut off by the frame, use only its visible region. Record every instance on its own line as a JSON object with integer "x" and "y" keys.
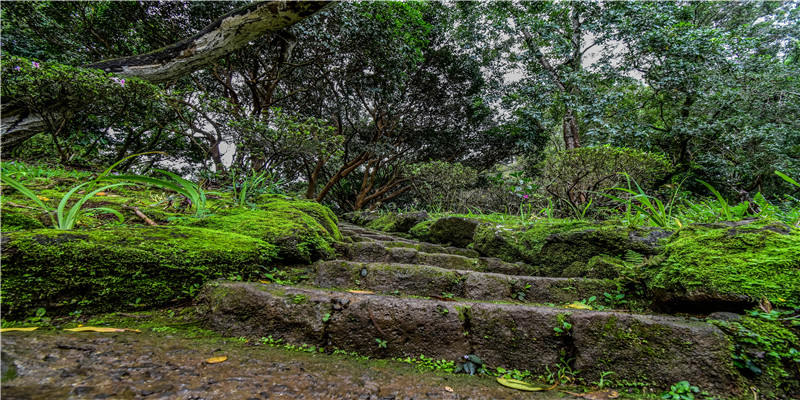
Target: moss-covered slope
{"x": 302, "y": 231}
{"x": 756, "y": 260}
{"x": 120, "y": 268}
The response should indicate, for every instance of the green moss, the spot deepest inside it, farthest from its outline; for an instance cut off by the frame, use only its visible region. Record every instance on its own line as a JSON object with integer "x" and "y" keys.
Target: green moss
{"x": 113, "y": 269}
{"x": 749, "y": 261}
{"x": 14, "y": 221}
{"x": 601, "y": 267}
{"x": 385, "y": 223}
{"x": 562, "y": 248}
{"x": 291, "y": 226}
{"x": 422, "y": 230}
{"x": 323, "y": 215}
{"x": 766, "y": 351}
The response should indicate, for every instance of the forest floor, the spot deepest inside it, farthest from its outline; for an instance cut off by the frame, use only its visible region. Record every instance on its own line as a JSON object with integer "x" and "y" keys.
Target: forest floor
{"x": 149, "y": 364}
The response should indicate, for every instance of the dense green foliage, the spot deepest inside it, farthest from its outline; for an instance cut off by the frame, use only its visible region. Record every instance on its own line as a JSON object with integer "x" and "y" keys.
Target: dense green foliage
{"x": 366, "y": 112}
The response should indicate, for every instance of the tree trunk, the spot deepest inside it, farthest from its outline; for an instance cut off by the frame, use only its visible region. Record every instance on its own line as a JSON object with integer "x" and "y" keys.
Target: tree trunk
{"x": 572, "y": 139}
{"x": 223, "y": 36}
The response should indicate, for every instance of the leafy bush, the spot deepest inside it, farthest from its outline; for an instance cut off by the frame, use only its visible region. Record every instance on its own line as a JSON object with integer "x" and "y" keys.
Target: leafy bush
{"x": 92, "y": 103}
{"x": 574, "y": 177}
{"x": 441, "y": 185}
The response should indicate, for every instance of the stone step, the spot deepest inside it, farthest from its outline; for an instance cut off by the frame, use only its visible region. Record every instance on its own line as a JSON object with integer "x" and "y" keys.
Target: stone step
{"x": 637, "y": 348}
{"x": 434, "y": 248}
{"x": 380, "y": 252}
{"x": 381, "y": 237}
{"x": 421, "y": 280}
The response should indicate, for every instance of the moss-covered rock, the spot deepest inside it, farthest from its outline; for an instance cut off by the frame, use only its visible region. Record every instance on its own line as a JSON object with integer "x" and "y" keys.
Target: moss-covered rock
{"x": 13, "y": 221}
{"x": 601, "y": 267}
{"x": 302, "y": 231}
{"x": 393, "y": 222}
{"x": 495, "y": 241}
{"x": 422, "y": 230}
{"x": 565, "y": 248}
{"x": 323, "y": 215}
{"x": 751, "y": 261}
{"x": 457, "y": 231}
{"x": 120, "y": 268}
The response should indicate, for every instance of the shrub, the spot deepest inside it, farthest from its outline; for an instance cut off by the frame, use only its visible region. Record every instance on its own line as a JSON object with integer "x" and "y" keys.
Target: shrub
{"x": 441, "y": 185}
{"x": 573, "y": 177}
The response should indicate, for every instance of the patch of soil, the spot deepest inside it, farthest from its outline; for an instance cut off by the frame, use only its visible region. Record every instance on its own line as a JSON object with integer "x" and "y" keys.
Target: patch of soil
{"x": 129, "y": 365}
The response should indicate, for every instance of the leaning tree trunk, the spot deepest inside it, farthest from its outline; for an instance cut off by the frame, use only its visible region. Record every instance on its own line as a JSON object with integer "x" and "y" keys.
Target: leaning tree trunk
{"x": 224, "y": 36}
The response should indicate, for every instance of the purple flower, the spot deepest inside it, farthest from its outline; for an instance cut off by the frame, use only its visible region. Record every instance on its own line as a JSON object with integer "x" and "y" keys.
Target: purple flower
{"x": 35, "y": 64}
{"x": 525, "y": 197}
{"x": 119, "y": 80}
{"x": 17, "y": 68}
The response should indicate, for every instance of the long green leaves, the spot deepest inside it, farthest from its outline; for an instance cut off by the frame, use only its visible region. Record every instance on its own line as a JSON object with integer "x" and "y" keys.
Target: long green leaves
{"x": 787, "y": 178}
{"x": 61, "y": 219}
{"x": 27, "y": 192}
{"x": 657, "y": 212}
{"x": 249, "y": 185}
{"x": 188, "y": 189}
{"x": 726, "y": 208}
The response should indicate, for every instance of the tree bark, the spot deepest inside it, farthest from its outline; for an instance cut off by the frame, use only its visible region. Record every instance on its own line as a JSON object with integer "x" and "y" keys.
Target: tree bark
{"x": 223, "y": 36}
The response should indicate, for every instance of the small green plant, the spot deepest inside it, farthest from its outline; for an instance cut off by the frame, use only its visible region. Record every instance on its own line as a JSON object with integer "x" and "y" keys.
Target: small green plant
{"x": 326, "y": 317}
{"x": 39, "y": 316}
{"x": 602, "y": 382}
{"x": 563, "y": 373}
{"x": 252, "y": 186}
{"x": 424, "y": 364}
{"x": 513, "y": 374}
{"x": 381, "y": 343}
{"x": 615, "y": 299}
{"x": 271, "y": 342}
{"x": 192, "y": 290}
{"x": 447, "y": 295}
{"x": 470, "y": 364}
{"x": 520, "y": 294}
{"x": 563, "y": 327}
{"x": 299, "y": 299}
{"x": 682, "y": 390}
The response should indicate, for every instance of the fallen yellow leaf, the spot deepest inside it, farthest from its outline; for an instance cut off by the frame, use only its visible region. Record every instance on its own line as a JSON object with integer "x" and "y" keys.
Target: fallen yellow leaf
{"x": 521, "y": 385}
{"x": 361, "y": 291}
{"x": 42, "y": 198}
{"x": 214, "y": 360}
{"x": 99, "y": 329}
{"x": 100, "y": 194}
{"x": 19, "y": 329}
{"x": 265, "y": 281}
{"x": 448, "y": 389}
{"x": 580, "y": 306}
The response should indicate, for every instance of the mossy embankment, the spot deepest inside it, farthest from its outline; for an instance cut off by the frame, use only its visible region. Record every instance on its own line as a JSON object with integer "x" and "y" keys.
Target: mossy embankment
{"x": 108, "y": 266}
{"x": 302, "y": 231}
{"x": 120, "y": 268}
{"x": 757, "y": 260}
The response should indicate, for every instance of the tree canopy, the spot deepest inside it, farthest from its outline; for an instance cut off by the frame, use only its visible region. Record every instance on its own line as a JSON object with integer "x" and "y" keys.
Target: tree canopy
{"x": 346, "y": 102}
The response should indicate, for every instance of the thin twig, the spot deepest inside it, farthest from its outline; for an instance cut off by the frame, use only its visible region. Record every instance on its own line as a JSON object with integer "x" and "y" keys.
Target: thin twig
{"x": 8, "y": 203}
{"x": 372, "y": 318}
{"x": 142, "y": 216}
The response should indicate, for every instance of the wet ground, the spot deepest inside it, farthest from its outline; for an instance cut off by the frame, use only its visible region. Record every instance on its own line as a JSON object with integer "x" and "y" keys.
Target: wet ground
{"x": 159, "y": 365}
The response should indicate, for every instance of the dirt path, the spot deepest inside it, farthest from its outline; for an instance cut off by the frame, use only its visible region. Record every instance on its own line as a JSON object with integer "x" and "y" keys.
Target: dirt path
{"x": 128, "y": 365}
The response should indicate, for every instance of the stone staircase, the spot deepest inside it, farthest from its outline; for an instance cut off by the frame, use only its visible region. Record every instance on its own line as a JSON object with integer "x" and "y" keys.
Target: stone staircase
{"x": 388, "y": 296}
